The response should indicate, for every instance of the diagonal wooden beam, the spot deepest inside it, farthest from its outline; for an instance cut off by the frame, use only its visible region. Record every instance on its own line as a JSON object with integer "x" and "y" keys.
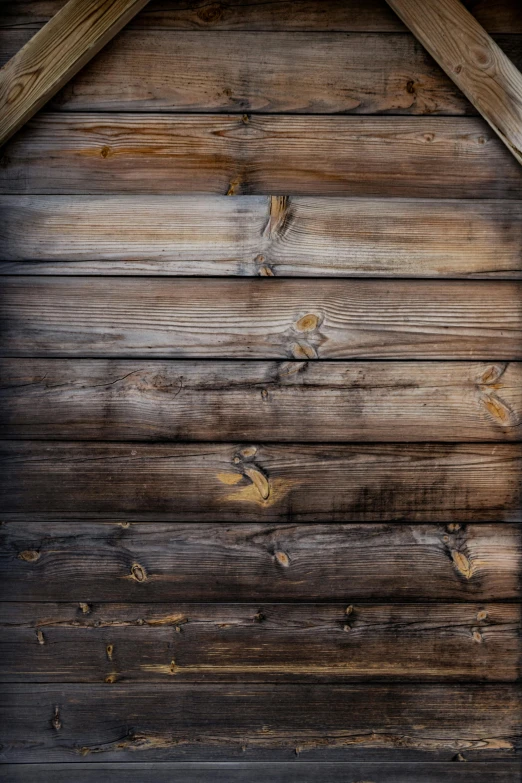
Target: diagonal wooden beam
{"x": 56, "y": 53}
{"x": 472, "y": 59}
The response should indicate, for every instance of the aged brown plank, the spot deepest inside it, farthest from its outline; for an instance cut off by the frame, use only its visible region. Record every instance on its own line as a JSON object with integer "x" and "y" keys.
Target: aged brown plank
{"x": 258, "y": 643}
{"x": 321, "y": 73}
{"x": 477, "y": 65}
{"x": 257, "y": 235}
{"x": 261, "y": 401}
{"x": 503, "y": 16}
{"x": 260, "y": 318}
{"x": 267, "y": 772}
{"x": 212, "y": 722}
{"x": 210, "y": 482}
{"x": 56, "y": 53}
{"x": 129, "y": 561}
{"x": 89, "y": 153}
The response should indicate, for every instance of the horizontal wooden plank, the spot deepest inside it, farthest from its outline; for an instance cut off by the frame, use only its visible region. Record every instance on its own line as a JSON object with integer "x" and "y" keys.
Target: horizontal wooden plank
{"x": 88, "y": 562}
{"x": 267, "y": 772}
{"x": 258, "y": 235}
{"x": 109, "y": 399}
{"x": 260, "y": 318}
{"x": 211, "y": 482}
{"x": 248, "y": 71}
{"x": 242, "y": 71}
{"x": 171, "y": 721}
{"x": 503, "y": 16}
{"x": 258, "y": 643}
{"x": 89, "y": 153}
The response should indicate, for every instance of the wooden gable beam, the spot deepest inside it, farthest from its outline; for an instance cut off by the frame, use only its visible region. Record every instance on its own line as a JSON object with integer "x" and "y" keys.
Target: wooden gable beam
{"x": 472, "y": 59}
{"x": 56, "y": 53}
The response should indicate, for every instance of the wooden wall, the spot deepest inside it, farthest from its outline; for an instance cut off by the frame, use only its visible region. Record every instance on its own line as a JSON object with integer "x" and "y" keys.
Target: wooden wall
{"x": 261, "y": 407}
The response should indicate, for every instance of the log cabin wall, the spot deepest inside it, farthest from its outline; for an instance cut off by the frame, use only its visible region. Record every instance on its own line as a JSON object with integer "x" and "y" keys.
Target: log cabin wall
{"x": 261, "y": 407}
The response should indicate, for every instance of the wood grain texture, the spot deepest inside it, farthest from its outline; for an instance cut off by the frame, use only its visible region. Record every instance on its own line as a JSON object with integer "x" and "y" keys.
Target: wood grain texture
{"x": 211, "y": 482}
{"x": 502, "y": 16}
{"x": 119, "y": 560}
{"x": 320, "y": 73}
{"x": 261, "y": 401}
{"x": 258, "y": 235}
{"x": 260, "y": 318}
{"x": 197, "y": 643}
{"x": 477, "y": 65}
{"x": 89, "y": 153}
{"x": 267, "y": 772}
{"x": 58, "y": 51}
{"x": 153, "y": 630}
{"x": 171, "y": 721}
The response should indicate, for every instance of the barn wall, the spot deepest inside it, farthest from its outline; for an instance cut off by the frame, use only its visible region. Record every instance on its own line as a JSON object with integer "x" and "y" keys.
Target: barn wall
{"x": 261, "y": 411}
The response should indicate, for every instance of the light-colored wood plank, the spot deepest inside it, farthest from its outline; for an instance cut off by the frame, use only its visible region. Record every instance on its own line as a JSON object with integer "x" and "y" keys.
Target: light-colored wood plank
{"x": 176, "y": 721}
{"x": 67, "y": 42}
{"x": 420, "y": 157}
{"x": 42, "y": 642}
{"x": 90, "y": 562}
{"x": 477, "y": 65}
{"x": 501, "y": 16}
{"x": 294, "y": 483}
{"x": 261, "y": 401}
{"x": 266, "y": 318}
{"x": 256, "y": 235}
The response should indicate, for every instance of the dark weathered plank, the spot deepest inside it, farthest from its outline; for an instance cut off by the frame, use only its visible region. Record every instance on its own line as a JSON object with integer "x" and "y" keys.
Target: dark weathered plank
{"x": 171, "y": 721}
{"x": 56, "y": 53}
{"x": 110, "y": 399}
{"x": 84, "y": 561}
{"x": 267, "y": 772}
{"x": 260, "y": 318}
{"x": 211, "y": 482}
{"x": 322, "y": 73}
{"x": 457, "y": 157}
{"x": 504, "y": 16}
{"x": 475, "y": 62}
{"x": 258, "y": 235}
{"x": 258, "y": 643}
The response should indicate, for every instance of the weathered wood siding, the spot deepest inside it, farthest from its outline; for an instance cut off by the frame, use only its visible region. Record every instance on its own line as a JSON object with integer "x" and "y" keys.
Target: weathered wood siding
{"x": 261, "y": 236}
{"x": 110, "y": 558}
{"x": 261, "y": 516}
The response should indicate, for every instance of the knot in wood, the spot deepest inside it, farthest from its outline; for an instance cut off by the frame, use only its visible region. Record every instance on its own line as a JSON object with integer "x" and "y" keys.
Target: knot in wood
{"x": 307, "y": 323}
{"x": 138, "y": 573}
{"x": 282, "y": 558}
{"x": 29, "y": 555}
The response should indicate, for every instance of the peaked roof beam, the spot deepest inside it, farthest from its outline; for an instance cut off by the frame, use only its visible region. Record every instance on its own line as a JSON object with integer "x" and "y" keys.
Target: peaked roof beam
{"x": 472, "y": 59}
{"x": 56, "y": 53}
